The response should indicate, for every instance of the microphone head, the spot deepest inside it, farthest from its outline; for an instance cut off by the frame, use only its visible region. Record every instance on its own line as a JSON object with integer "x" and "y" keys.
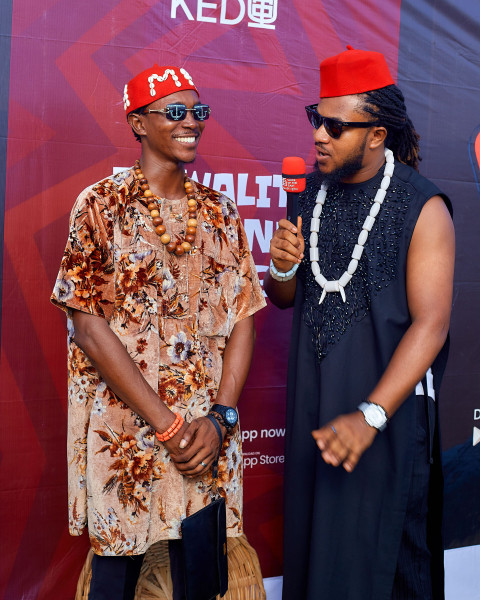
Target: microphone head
{"x": 293, "y": 174}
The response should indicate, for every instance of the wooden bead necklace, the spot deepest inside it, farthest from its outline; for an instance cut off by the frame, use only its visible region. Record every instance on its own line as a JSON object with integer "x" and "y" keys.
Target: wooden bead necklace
{"x": 178, "y": 247}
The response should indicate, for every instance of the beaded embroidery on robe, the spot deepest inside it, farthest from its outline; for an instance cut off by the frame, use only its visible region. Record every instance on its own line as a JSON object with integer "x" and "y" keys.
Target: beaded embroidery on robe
{"x": 341, "y": 220}
{"x": 174, "y": 316}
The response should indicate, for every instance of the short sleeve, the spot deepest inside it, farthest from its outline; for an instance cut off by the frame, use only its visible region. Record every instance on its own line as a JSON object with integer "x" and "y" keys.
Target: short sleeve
{"x": 250, "y": 296}
{"x": 86, "y": 277}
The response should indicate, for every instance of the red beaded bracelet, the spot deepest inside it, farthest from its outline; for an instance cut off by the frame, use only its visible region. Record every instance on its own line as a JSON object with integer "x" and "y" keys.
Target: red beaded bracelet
{"x": 172, "y": 430}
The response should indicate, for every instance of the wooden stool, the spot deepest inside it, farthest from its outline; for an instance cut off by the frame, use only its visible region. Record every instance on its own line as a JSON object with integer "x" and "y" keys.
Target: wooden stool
{"x": 245, "y": 580}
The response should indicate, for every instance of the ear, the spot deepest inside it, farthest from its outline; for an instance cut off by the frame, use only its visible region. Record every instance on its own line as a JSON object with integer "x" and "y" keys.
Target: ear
{"x": 377, "y": 137}
{"x": 136, "y": 123}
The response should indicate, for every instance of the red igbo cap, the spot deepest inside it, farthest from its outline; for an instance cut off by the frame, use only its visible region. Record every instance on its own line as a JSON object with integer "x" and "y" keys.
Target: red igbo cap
{"x": 353, "y": 72}
{"x": 154, "y": 83}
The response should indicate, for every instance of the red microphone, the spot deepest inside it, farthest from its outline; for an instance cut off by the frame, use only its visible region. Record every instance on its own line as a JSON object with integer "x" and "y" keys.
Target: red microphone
{"x": 293, "y": 182}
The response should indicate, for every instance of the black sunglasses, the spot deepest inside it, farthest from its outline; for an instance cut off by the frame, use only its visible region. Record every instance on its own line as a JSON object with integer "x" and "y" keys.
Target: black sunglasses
{"x": 333, "y": 127}
{"x": 178, "y": 112}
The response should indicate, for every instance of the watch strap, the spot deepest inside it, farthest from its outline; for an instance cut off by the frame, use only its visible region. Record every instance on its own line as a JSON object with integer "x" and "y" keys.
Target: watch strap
{"x": 220, "y": 437}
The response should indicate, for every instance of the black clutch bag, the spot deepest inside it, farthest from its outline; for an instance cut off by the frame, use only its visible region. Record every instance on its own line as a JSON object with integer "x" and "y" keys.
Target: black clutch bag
{"x": 204, "y": 536}
{"x": 204, "y": 545}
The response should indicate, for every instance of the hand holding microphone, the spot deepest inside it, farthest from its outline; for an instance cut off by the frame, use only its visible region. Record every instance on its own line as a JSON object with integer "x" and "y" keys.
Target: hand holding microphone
{"x": 287, "y": 244}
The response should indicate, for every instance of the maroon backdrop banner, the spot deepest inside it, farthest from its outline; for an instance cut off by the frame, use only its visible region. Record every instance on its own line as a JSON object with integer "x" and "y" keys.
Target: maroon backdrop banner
{"x": 256, "y": 64}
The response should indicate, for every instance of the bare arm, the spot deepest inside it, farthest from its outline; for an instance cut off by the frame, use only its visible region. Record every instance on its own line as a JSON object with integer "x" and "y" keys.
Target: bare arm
{"x": 195, "y": 442}
{"x": 236, "y": 364}
{"x": 286, "y": 249}
{"x": 112, "y": 361}
{"x": 120, "y": 373}
{"x": 430, "y": 264}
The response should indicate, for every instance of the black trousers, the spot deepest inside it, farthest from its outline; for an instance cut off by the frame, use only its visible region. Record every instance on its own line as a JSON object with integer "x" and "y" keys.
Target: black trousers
{"x": 115, "y": 577}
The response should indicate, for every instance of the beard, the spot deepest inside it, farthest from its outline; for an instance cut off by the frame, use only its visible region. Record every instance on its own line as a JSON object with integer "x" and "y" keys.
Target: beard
{"x": 351, "y": 165}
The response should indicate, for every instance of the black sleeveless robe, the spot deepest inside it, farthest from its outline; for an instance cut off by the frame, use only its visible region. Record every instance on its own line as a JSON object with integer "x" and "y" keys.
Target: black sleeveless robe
{"x": 342, "y": 530}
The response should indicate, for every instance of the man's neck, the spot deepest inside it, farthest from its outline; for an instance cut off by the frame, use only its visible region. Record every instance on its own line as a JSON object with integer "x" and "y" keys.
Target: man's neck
{"x": 166, "y": 180}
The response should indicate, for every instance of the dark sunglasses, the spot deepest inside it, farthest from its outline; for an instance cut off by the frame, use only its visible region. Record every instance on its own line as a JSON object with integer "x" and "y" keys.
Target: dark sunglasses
{"x": 178, "y": 112}
{"x": 333, "y": 127}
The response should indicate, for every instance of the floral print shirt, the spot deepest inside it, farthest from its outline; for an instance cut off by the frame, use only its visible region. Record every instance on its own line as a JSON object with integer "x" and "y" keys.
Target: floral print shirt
{"x": 174, "y": 316}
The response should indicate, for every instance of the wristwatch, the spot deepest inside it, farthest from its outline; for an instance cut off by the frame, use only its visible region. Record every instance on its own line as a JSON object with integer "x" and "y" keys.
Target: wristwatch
{"x": 225, "y": 415}
{"x": 375, "y": 415}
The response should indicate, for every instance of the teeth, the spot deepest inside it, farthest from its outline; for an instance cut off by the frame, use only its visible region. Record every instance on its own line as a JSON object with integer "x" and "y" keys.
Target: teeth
{"x": 186, "y": 140}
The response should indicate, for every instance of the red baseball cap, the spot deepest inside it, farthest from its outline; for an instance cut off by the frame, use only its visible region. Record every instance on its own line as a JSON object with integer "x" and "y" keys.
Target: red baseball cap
{"x": 353, "y": 72}
{"x": 154, "y": 83}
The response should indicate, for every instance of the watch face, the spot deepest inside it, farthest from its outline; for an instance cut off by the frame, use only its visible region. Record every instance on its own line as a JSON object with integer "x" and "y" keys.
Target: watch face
{"x": 231, "y": 416}
{"x": 375, "y": 416}
{"x": 227, "y": 414}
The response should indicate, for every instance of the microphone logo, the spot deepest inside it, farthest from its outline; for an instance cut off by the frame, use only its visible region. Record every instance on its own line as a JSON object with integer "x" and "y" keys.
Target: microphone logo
{"x": 293, "y": 182}
{"x": 293, "y": 174}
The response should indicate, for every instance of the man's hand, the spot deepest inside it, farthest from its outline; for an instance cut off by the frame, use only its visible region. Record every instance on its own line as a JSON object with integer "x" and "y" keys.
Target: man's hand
{"x": 287, "y": 245}
{"x": 344, "y": 440}
{"x": 196, "y": 443}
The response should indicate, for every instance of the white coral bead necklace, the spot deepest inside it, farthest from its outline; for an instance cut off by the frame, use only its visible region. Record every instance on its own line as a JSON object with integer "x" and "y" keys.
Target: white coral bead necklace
{"x": 339, "y": 284}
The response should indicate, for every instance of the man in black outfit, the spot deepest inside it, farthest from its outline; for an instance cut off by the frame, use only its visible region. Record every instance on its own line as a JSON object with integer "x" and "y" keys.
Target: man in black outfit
{"x": 369, "y": 270}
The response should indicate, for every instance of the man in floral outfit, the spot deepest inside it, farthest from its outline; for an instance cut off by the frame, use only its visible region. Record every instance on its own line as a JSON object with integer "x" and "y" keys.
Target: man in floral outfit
{"x": 160, "y": 290}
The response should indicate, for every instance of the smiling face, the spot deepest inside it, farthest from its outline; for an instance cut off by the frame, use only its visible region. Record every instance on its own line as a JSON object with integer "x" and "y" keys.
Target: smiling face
{"x": 167, "y": 140}
{"x": 358, "y": 153}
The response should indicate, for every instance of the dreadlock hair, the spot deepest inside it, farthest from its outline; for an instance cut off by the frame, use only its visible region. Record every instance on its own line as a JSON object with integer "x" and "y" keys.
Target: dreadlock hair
{"x": 138, "y": 111}
{"x": 387, "y": 105}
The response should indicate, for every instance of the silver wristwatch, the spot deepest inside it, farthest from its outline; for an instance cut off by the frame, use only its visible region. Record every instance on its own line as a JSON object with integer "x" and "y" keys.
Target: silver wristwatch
{"x": 375, "y": 415}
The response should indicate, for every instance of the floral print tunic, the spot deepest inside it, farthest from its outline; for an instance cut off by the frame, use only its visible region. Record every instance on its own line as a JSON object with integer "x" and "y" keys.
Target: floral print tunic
{"x": 174, "y": 316}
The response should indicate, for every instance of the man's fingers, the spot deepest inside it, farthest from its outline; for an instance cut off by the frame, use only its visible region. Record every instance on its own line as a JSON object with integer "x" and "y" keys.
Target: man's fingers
{"x": 336, "y": 452}
{"x": 195, "y": 466}
{"x": 333, "y": 448}
{"x": 182, "y": 442}
{"x": 319, "y": 438}
{"x": 187, "y": 434}
{"x": 351, "y": 461}
{"x": 299, "y": 229}
{"x": 330, "y": 458}
{"x": 202, "y": 446}
{"x": 324, "y": 437}
{"x": 285, "y": 246}
{"x": 287, "y": 225}
{"x": 188, "y": 455}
